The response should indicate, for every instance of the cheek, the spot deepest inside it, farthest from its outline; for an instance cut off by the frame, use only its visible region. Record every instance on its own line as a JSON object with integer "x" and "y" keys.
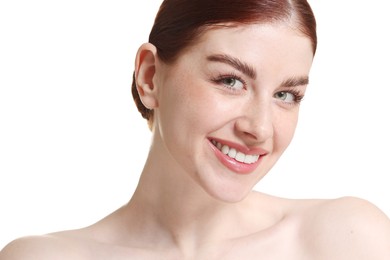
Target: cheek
{"x": 183, "y": 109}
{"x": 284, "y": 129}
{"x": 186, "y": 114}
{"x": 191, "y": 103}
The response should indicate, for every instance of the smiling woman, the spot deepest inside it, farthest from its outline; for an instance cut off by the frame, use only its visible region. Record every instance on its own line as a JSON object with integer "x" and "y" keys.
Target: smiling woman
{"x": 241, "y": 117}
{"x": 220, "y": 84}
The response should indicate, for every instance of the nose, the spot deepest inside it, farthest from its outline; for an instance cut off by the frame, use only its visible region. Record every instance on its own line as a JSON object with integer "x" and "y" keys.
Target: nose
{"x": 256, "y": 122}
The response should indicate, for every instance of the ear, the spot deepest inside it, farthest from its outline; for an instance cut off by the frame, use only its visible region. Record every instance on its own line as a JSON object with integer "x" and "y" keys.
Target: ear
{"x": 145, "y": 70}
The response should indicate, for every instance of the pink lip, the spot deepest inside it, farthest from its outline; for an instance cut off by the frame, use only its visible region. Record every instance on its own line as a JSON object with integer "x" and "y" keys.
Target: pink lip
{"x": 232, "y": 164}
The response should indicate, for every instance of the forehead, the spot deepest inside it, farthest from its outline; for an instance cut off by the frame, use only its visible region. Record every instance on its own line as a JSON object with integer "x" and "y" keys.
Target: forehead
{"x": 280, "y": 37}
{"x": 278, "y": 46}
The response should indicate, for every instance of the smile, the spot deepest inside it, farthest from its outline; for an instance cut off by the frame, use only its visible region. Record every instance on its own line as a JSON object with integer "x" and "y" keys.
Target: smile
{"x": 234, "y": 154}
{"x": 235, "y": 157}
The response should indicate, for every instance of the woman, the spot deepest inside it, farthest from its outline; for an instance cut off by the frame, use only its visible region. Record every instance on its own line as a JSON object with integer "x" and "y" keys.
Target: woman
{"x": 220, "y": 84}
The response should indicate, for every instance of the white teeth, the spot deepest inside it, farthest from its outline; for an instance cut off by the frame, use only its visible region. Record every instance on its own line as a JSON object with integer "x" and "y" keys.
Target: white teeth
{"x": 248, "y": 159}
{"x": 251, "y": 158}
{"x": 233, "y": 153}
{"x": 225, "y": 149}
{"x": 240, "y": 157}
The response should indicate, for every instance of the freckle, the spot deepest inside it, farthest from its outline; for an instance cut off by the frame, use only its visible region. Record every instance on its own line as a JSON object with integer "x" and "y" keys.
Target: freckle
{"x": 351, "y": 232}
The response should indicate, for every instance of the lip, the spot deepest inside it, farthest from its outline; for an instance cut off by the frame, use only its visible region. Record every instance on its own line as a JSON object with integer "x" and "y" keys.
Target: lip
{"x": 232, "y": 164}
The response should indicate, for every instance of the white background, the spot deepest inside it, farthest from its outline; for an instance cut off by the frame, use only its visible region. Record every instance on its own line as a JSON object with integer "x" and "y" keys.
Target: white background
{"x": 72, "y": 144}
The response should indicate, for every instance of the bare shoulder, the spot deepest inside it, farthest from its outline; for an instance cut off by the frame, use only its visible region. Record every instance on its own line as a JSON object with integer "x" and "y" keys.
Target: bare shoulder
{"x": 41, "y": 248}
{"x": 346, "y": 228}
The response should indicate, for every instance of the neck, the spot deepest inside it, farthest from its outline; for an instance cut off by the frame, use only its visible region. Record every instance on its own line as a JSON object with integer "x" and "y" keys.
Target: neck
{"x": 171, "y": 203}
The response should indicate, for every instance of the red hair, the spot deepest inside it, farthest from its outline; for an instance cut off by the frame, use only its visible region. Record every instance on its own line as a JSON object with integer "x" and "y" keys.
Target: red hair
{"x": 179, "y": 23}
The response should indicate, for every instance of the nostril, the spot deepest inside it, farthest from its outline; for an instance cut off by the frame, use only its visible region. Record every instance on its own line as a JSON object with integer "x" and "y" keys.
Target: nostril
{"x": 254, "y": 130}
{"x": 250, "y": 135}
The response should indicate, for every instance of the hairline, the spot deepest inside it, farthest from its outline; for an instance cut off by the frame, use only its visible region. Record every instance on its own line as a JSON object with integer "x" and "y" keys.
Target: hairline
{"x": 292, "y": 23}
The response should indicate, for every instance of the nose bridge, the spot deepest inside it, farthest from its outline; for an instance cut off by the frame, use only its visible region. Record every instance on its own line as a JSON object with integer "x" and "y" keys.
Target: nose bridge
{"x": 257, "y": 120}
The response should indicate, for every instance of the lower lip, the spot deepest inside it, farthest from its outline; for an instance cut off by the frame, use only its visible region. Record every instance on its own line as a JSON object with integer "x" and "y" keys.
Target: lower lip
{"x": 234, "y": 165}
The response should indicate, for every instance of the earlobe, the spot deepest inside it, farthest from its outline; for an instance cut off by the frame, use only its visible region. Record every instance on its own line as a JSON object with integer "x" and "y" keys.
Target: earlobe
{"x": 145, "y": 70}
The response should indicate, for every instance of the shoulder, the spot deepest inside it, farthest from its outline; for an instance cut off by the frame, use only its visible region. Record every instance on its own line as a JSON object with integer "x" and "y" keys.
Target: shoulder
{"x": 41, "y": 248}
{"x": 347, "y": 228}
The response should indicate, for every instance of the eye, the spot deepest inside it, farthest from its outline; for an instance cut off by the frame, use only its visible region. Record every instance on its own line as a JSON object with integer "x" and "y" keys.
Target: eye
{"x": 290, "y": 97}
{"x": 285, "y": 96}
{"x": 231, "y": 82}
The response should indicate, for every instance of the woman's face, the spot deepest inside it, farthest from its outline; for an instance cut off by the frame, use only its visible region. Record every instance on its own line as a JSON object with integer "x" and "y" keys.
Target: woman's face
{"x": 228, "y": 107}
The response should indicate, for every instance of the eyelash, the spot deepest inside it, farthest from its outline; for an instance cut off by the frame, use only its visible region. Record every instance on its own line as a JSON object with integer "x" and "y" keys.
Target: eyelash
{"x": 298, "y": 97}
{"x": 220, "y": 81}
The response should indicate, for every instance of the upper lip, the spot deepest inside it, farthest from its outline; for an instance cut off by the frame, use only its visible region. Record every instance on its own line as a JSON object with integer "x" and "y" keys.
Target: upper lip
{"x": 241, "y": 148}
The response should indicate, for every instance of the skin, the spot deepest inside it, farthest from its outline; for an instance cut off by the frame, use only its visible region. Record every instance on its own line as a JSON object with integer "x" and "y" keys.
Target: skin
{"x": 188, "y": 204}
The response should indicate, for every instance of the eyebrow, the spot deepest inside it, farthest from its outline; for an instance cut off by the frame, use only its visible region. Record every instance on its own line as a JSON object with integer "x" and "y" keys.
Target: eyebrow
{"x": 234, "y": 62}
{"x": 295, "y": 82}
{"x": 250, "y": 71}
